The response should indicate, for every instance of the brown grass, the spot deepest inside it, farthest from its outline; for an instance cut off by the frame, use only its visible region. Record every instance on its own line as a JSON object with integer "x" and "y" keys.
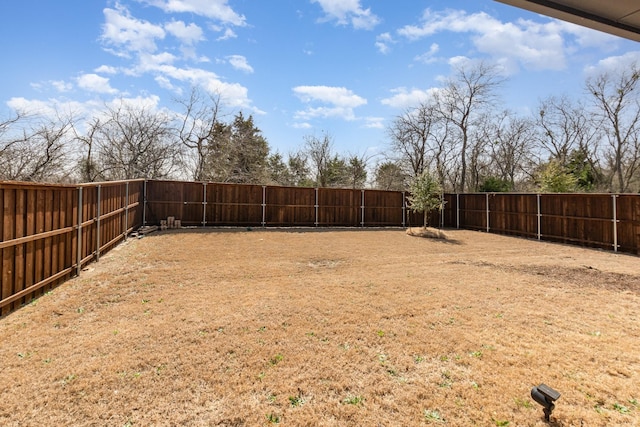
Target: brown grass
{"x": 331, "y": 328}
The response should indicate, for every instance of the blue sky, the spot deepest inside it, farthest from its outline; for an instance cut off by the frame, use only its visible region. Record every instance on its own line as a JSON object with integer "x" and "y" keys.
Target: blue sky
{"x": 300, "y": 67}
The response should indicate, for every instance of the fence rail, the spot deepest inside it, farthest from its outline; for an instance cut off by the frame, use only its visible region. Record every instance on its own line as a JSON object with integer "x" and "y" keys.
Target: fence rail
{"x": 49, "y": 232}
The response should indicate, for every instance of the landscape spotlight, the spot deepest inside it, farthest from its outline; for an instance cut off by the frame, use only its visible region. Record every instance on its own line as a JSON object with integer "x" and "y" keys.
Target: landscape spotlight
{"x": 545, "y": 396}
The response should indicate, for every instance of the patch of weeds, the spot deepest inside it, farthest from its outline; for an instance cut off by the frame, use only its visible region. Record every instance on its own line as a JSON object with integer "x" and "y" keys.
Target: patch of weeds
{"x": 272, "y": 398}
{"x": 128, "y": 424}
{"x": 276, "y": 359}
{"x": 476, "y": 354}
{"x": 48, "y": 292}
{"x": 144, "y": 301}
{"x": 621, "y": 408}
{"x": 475, "y": 385}
{"x": 159, "y": 369}
{"x": 80, "y": 310}
{"x": 595, "y": 333}
{"x": 353, "y": 400}
{"x": 392, "y": 372}
{"x": 345, "y": 346}
{"x": 261, "y": 376}
{"x": 502, "y": 423}
{"x": 418, "y": 359}
{"x": 380, "y": 333}
{"x": 116, "y": 332}
{"x": 296, "y": 401}
{"x": 523, "y": 403}
{"x": 273, "y": 418}
{"x": 69, "y": 378}
{"x": 633, "y": 401}
{"x": 382, "y": 358}
{"x": 444, "y": 358}
{"x": 598, "y": 408}
{"x": 446, "y": 379}
{"x": 310, "y": 334}
{"x": 262, "y": 328}
{"x": 24, "y": 355}
{"x": 47, "y": 361}
{"x": 499, "y": 316}
{"x": 433, "y": 416}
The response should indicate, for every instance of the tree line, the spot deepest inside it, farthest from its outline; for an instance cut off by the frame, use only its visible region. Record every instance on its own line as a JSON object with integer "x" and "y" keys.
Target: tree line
{"x": 458, "y": 134}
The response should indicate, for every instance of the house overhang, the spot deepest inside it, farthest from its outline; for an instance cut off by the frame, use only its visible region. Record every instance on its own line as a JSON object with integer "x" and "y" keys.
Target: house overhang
{"x": 618, "y": 17}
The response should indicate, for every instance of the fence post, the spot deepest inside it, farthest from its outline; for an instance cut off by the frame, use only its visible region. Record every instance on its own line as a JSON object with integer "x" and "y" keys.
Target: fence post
{"x": 144, "y": 204}
{"x": 98, "y": 225}
{"x": 126, "y": 210}
{"x": 404, "y": 210}
{"x": 316, "y": 207}
{"x": 264, "y": 204}
{"x": 615, "y": 222}
{"x": 204, "y": 204}
{"x": 79, "y": 247}
{"x": 362, "y": 210}
{"x": 458, "y": 211}
{"x": 487, "y": 198}
{"x": 442, "y": 203}
{"x": 539, "y": 215}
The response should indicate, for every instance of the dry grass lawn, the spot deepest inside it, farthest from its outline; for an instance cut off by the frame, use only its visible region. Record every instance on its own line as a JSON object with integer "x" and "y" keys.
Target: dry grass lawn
{"x": 329, "y": 328}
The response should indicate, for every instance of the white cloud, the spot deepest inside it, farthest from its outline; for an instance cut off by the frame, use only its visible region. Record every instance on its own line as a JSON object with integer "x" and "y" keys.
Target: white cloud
{"x": 239, "y": 62}
{"x": 214, "y": 9}
{"x": 187, "y": 34}
{"x": 614, "y": 64}
{"x": 374, "y": 122}
{"x": 341, "y": 102}
{"x": 95, "y": 83}
{"x": 134, "y": 35}
{"x": 429, "y": 56}
{"x": 408, "y": 98}
{"x": 533, "y": 45}
{"x": 228, "y": 34}
{"x": 61, "y": 85}
{"x": 383, "y": 41}
{"x": 303, "y": 125}
{"x": 106, "y": 69}
{"x": 347, "y": 12}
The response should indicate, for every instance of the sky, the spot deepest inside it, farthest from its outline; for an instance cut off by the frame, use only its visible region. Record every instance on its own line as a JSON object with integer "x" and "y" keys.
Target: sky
{"x": 299, "y": 67}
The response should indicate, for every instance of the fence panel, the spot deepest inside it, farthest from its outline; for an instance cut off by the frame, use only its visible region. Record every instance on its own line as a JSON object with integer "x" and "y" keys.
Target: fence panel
{"x": 286, "y": 206}
{"x": 628, "y": 225}
{"x": 42, "y": 228}
{"x": 383, "y": 209}
{"x": 234, "y": 205}
{"x": 339, "y": 207}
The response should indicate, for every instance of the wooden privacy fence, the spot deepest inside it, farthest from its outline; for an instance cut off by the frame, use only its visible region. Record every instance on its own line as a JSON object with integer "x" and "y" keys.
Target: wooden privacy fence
{"x": 607, "y": 221}
{"x": 214, "y": 204}
{"x": 49, "y": 232}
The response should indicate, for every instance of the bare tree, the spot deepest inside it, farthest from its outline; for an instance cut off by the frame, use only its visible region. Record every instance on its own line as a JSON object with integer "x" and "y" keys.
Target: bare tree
{"x": 136, "y": 142}
{"x": 197, "y": 130}
{"x": 319, "y": 152}
{"x": 617, "y": 104}
{"x": 411, "y": 133}
{"x": 462, "y": 101}
{"x": 35, "y": 148}
{"x": 511, "y": 143}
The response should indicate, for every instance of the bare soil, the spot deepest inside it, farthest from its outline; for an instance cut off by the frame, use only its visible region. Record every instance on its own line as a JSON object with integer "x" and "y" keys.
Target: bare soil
{"x": 329, "y": 328}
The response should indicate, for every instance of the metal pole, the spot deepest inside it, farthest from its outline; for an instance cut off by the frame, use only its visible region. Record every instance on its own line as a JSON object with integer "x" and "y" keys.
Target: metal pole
{"x": 126, "y": 210}
{"x": 487, "y": 212}
{"x": 316, "y": 207}
{"x": 204, "y": 204}
{"x": 79, "y": 248}
{"x": 615, "y": 223}
{"x": 539, "y": 218}
{"x": 442, "y": 211}
{"x": 362, "y": 210}
{"x": 144, "y": 204}
{"x": 458, "y": 211}
{"x": 404, "y": 210}
{"x": 98, "y": 225}
{"x": 264, "y": 205}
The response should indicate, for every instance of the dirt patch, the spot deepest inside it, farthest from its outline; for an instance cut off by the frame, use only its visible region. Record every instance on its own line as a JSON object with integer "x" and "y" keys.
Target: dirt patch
{"x": 428, "y": 232}
{"x": 332, "y": 328}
